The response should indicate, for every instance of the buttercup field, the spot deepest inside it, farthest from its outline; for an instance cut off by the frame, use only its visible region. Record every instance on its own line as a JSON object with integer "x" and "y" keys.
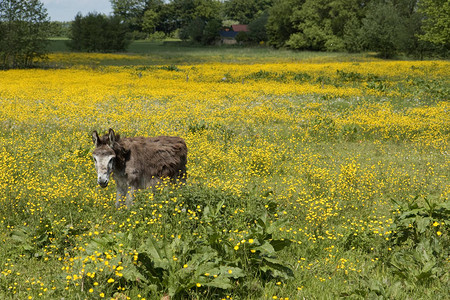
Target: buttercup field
{"x": 312, "y": 178}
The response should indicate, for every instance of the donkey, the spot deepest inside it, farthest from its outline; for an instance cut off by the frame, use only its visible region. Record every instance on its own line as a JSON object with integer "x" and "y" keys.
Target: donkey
{"x": 137, "y": 162}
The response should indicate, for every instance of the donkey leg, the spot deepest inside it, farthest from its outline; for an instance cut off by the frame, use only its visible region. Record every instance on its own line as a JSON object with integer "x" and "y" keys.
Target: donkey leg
{"x": 130, "y": 197}
{"x": 120, "y": 199}
{"x": 121, "y": 195}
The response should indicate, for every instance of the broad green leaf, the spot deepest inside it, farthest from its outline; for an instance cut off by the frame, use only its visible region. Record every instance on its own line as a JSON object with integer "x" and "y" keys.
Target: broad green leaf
{"x": 155, "y": 254}
{"x": 266, "y": 248}
{"x": 262, "y": 220}
{"x": 131, "y": 273}
{"x": 280, "y": 244}
{"x": 422, "y": 224}
{"x": 150, "y": 248}
{"x": 220, "y": 282}
{"x": 233, "y": 272}
{"x": 207, "y": 268}
{"x": 428, "y": 266}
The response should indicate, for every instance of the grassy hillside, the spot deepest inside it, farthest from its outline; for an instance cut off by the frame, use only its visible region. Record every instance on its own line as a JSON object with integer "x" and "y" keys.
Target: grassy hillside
{"x": 308, "y": 177}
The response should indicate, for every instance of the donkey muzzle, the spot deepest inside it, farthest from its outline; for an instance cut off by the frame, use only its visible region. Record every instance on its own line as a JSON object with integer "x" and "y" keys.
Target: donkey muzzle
{"x": 103, "y": 182}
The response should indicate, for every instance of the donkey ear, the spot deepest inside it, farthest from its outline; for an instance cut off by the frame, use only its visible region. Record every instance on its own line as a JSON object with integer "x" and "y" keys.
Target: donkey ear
{"x": 95, "y": 138}
{"x": 112, "y": 137}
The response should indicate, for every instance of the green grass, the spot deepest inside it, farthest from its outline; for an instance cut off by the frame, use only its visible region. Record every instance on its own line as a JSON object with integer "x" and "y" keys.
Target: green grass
{"x": 178, "y": 52}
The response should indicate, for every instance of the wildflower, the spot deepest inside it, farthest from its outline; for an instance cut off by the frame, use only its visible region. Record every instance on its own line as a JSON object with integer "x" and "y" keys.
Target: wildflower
{"x": 111, "y": 280}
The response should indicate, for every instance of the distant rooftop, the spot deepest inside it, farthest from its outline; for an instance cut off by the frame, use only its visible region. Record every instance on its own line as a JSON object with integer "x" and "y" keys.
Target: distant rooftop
{"x": 239, "y": 27}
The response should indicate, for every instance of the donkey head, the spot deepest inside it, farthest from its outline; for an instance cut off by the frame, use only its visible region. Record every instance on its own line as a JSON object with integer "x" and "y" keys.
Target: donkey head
{"x": 104, "y": 156}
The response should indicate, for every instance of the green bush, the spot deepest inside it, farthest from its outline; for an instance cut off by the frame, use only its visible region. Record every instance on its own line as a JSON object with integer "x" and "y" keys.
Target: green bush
{"x": 98, "y": 33}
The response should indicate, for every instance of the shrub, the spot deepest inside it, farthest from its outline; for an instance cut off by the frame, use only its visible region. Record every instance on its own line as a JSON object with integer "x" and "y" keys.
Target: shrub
{"x": 98, "y": 33}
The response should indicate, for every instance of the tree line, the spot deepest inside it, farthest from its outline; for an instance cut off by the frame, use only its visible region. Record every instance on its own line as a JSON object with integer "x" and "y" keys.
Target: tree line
{"x": 415, "y": 27}
{"x": 418, "y": 28}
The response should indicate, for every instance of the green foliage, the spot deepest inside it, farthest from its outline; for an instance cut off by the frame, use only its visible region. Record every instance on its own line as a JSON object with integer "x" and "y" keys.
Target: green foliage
{"x": 195, "y": 30}
{"x": 156, "y": 36}
{"x": 313, "y": 30}
{"x": 98, "y": 33}
{"x": 352, "y": 37}
{"x": 246, "y": 11}
{"x": 211, "y": 32}
{"x": 131, "y": 12}
{"x": 149, "y": 21}
{"x": 388, "y": 27}
{"x": 416, "y": 223}
{"x": 416, "y": 253}
{"x": 24, "y": 30}
{"x": 257, "y": 28}
{"x": 421, "y": 243}
{"x": 242, "y": 37}
{"x": 437, "y": 22}
{"x": 59, "y": 29}
{"x": 211, "y": 261}
{"x": 382, "y": 28}
{"x": 279, "y": 25}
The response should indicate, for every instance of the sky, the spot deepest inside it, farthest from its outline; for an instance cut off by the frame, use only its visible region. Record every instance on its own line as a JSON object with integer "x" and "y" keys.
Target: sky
{"x": 66, "y": 10}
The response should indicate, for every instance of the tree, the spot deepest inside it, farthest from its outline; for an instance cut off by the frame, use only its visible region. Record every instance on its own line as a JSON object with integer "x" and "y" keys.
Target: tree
{"x": 149, "y": 21}
{"x": 24, "y": 32}
{"x": 352, "y": 35}
{"x": 436, "y": 25}
{"x": 98, "y": 33}
{"x": 279, "y": 25}
{"x": 195, "y": 29}
{"x": 211, "y": 31}
{"x": 313, "y": 26}
{"x": 193, "y": 15}
{"x": 59, "y": 29}
{"x": 129, "y": 11}
{"x": 257, "y": 28}
{"x": 245, "y": 11}
{"x": 143, "y": 17}
{"x": 382, "y": 28}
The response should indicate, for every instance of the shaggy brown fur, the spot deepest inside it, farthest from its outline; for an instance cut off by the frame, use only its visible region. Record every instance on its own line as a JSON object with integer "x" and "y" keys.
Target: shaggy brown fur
{"x": 138, "y": 162}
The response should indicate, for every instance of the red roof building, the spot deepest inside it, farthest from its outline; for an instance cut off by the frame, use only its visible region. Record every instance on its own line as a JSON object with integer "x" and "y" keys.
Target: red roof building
{"x": 240, "y": 27}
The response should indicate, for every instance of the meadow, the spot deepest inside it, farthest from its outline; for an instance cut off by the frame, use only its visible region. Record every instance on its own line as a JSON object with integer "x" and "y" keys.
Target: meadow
{"x": 308, "y": 178}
